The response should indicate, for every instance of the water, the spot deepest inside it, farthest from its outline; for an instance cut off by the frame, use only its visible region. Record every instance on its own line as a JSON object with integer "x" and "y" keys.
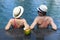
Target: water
{"x": 30, "y": 11}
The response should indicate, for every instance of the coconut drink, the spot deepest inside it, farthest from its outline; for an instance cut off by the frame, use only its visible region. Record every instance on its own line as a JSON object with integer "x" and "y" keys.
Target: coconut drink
{"x": 27, "y": 31}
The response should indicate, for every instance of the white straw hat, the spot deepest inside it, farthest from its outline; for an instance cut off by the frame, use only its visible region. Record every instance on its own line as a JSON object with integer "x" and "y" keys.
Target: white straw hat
{"x": 18, "y": 11}
{"x": 42, "y": 8}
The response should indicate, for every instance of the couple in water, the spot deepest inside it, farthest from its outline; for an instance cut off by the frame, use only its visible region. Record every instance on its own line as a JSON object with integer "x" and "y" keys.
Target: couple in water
{"x": 41, "y": 20}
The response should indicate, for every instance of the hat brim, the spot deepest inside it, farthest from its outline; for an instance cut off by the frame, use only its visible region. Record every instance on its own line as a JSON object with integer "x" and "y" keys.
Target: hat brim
{"x": 22, "y": 10}
{"x": 38, "y": 9}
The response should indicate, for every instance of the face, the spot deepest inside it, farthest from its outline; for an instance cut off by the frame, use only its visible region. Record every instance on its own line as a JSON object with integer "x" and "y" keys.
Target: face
{"x": 40, "y": 13}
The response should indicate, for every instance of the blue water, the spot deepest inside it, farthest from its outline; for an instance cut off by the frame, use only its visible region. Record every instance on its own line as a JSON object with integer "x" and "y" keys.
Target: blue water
{"x": 30, "y": 11}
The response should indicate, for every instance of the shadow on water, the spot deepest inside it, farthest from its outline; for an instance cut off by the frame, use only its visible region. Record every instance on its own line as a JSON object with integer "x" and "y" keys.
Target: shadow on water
{"x": 36, "y": 34}
{"x": 18, "y": 34}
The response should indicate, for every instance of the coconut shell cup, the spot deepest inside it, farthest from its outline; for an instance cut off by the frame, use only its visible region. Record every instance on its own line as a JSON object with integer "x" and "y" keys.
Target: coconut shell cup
{"x": 27, "y": 32}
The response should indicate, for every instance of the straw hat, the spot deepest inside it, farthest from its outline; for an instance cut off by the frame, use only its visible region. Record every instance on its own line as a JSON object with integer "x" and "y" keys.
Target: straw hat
{"x": 18, "y": 11}
{"x": 42, "y": 8}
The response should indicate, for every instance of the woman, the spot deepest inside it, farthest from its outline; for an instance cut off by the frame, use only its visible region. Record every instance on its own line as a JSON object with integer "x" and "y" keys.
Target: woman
{"x": 42, "y": 20}
{"x": 17, "y": 21}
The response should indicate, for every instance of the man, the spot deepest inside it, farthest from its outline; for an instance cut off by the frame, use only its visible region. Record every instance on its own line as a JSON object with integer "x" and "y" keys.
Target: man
{"x": 42, "y": 20}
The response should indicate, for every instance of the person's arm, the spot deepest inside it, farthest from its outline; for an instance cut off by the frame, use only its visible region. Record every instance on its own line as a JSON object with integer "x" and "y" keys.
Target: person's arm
{"x": 8, "y": 25}
{"x": 53, "y": 24}
{"x": 34, "y": 23}
{"x": 26, "y": 26}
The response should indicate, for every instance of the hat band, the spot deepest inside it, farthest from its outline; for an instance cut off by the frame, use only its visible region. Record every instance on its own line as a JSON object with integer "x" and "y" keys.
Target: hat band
{"x": 18, "y": 13}
{"x": 41, "y": 10}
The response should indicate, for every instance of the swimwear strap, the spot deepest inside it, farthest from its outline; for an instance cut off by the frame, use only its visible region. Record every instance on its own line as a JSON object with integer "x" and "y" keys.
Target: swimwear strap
{"x": 15, "y": 25}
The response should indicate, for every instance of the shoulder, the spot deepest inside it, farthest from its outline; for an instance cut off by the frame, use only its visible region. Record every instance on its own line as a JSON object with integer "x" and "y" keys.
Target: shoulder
{"x": 11, "y": 20}
{"x": 50, "y": 18}
{"x": 37, "y": 17}
{"x": 23, "y": 19}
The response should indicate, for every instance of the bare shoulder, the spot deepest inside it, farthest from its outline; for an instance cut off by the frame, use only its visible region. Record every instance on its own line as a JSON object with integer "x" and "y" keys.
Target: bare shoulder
{"x": 50, "y": 18}
{"x": 11, "y": 20}
{"x": 23, "y": 19}
{"x": 37, "y": 17}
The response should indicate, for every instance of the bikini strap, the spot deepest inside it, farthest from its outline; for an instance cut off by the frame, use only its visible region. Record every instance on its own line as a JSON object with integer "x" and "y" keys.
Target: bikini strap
{"x": 15, "y": 25}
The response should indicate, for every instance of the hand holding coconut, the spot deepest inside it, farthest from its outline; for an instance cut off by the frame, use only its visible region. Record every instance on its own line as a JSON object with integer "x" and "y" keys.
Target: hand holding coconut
{"x": 27, "y": 31}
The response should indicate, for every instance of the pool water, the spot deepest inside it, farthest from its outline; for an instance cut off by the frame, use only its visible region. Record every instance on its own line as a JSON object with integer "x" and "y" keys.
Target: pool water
{"x": 30, "y": 10}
